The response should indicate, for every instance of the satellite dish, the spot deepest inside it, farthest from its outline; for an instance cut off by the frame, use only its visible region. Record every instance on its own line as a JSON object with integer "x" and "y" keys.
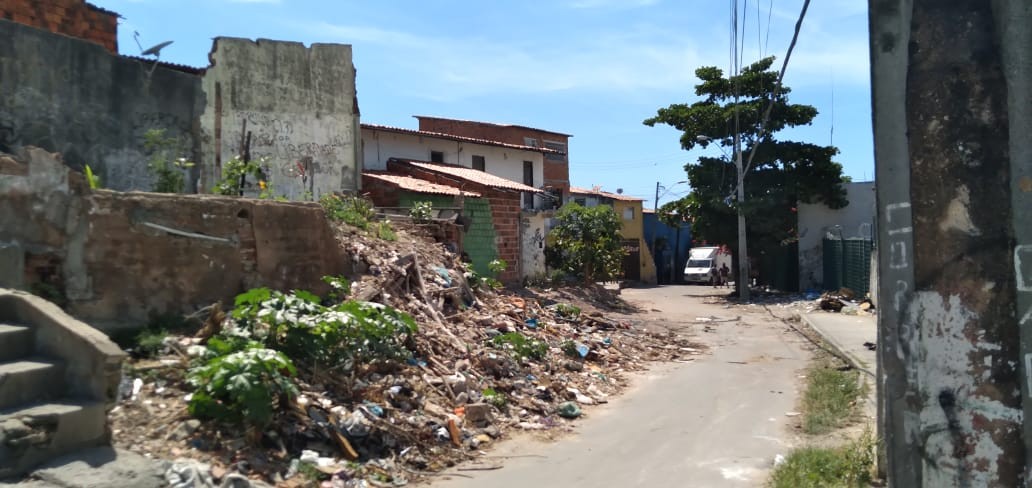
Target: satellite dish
{"x": 156, "y": 50}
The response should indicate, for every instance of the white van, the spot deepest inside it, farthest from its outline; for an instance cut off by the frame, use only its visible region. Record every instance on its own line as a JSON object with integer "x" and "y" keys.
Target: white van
{"x": 700, "y": 260}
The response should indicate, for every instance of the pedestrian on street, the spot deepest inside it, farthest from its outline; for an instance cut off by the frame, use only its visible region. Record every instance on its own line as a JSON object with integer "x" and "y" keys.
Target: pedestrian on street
{"x": 724, "y": 272}
{"x": 714, "y": 276}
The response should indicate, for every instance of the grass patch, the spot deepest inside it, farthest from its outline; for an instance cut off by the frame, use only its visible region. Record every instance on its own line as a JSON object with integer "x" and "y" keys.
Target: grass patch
{"x": 811, "y": 467}
{"x": 830, "y": 399}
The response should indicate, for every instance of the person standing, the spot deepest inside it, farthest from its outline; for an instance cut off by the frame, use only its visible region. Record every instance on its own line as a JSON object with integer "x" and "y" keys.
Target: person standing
{"x": 724, "y": 274}
{"x": 714, "y": 276}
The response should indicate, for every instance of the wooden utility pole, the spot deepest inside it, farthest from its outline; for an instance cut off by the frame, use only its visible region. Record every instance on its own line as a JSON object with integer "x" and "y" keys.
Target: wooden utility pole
{"x": 952, "y": 84}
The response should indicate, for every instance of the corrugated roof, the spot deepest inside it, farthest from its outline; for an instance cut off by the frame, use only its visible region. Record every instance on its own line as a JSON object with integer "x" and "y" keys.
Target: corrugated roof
{"x": 468, "y": 174}
{"x": 615, "y": 196}
{"x": 453, "y": 137}
{"x": 494, "y": 124}
{"x": 164, "y": 64}
{"x": 410, "y": 183}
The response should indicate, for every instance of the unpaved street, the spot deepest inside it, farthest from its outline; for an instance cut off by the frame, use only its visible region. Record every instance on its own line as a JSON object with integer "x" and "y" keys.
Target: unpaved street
{"x": 718, "y": 421}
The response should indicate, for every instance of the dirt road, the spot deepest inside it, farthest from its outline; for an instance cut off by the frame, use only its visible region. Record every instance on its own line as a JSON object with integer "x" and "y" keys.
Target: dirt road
{"x": 718, "y": 421}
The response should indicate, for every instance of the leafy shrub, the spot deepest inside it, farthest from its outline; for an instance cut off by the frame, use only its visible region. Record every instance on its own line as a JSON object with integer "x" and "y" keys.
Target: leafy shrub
{"x": 234, "y": 177}
{"x": 243, "y": 386}
{"x": 422, "y": 211}
{"x": 586, "y": 242}
{"x": 520, "y": 346}
{"x": 339, "y": 287}
{"x": 352, "y": 210}
{"x": 567, "y": 311}
{"x": 169, "y": 171}
{"x": 497, "y": 266}
{"x": 346, "y": 334}
{"x": 570, "y": 349}
{"x": 494, "y": 398}
{"x": 385, "y": 231}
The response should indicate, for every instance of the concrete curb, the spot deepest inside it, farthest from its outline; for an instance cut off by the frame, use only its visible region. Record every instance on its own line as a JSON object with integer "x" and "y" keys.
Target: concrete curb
{"x": 839, "y": 347}
{"x": 870, "y": 375}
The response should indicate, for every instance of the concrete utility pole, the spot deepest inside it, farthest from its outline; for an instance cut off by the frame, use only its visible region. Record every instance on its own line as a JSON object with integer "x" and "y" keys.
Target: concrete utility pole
{"x": 952, "y": 84}
{"x": 743, "y": 248}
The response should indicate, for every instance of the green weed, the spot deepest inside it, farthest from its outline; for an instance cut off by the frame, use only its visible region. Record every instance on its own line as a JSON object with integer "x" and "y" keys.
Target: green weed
{"x": 849, "y": 466}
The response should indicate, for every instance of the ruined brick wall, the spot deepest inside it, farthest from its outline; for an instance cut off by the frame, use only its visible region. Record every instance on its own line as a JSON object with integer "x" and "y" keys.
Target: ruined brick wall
{"x": 115, "y": 258}
{"x": 380, "y": 192}
{"x": 505, "y": 210}
{"x": 74, "y": 18}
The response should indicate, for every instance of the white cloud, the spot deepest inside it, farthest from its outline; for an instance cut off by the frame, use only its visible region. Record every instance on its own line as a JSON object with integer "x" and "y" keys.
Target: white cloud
{"x": 637, "y": 58}
{"x": 615, "y": 62}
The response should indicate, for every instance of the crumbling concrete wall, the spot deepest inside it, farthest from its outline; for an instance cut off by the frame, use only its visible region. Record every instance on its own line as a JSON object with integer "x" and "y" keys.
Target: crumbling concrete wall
{"x": 114, "y": 258}
{"x": 533, "y": 228}
{"x": 76, "y": 98}
{"x": 816, "y": 220}
{"x": 298, "y": 103}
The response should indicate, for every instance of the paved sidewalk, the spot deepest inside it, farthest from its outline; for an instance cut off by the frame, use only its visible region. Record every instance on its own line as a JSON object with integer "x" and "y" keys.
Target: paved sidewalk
{"x": 847, "y": 334}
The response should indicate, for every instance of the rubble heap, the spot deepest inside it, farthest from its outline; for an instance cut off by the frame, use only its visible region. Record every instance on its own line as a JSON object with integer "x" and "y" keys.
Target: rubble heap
{"x": 484, "y": 361}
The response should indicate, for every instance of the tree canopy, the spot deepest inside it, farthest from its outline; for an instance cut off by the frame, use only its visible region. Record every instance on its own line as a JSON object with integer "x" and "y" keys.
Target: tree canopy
{"x": 586, "y": 242}
{"x": 783, "y": 173}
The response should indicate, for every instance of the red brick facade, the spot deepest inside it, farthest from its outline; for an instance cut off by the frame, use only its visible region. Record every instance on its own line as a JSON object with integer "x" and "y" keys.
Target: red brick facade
{"x": 556, "y": 170}
{"x": 75, "y": 18}
{"x": 505, "y": 213}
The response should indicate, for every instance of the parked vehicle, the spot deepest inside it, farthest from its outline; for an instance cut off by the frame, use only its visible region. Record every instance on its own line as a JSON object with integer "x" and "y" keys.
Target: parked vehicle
{"x": 701, "y": 260}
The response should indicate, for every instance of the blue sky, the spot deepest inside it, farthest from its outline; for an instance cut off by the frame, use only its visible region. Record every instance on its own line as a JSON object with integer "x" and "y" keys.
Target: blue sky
{"x": 591, "y": 68}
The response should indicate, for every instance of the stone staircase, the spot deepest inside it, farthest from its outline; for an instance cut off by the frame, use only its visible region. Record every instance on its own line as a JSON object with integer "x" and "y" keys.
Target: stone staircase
{"x": 58, "y": 378}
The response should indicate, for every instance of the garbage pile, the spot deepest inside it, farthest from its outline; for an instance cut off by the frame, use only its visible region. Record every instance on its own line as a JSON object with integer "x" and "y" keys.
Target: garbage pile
{"x": 844, "y": 301}
{"x": 485, "y": 361}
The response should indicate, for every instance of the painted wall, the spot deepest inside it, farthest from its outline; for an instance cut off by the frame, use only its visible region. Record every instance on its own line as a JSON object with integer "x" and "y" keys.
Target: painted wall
{"x": 672, "y": 254}
{"x": 817, "y": 220}
{"x": 299, "y": 104}
{"x": 533, "y": 229}
{"x": 91, "y": 106}
{"x": 379, "y": 146}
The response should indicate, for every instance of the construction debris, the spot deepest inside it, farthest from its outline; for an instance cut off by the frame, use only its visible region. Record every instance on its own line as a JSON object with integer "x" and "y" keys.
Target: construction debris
{"x": 484, "y": 361}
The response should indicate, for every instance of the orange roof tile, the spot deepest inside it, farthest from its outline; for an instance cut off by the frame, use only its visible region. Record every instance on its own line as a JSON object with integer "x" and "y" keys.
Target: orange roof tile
{"x": 496, "y": 124}
{"x": 468, "y": 174}
{"x": 453, "y": 137}
{"x": 417, "y": 185}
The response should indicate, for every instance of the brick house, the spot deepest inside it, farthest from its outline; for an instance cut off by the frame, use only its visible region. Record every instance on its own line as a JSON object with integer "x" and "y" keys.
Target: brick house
{"x": 515, "y": 162}
{"x": 556, "y": 164}
{"x": 499, "y": 204}
{"x": 74, "y": 18}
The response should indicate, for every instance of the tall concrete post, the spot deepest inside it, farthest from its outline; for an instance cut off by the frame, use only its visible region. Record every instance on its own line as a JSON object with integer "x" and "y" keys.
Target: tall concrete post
{"x": 952, "y": 123}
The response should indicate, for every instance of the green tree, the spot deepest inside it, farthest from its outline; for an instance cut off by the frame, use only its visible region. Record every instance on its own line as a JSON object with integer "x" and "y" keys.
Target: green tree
{"x": 586, "y": 242}
{"x": 782, "y": 173}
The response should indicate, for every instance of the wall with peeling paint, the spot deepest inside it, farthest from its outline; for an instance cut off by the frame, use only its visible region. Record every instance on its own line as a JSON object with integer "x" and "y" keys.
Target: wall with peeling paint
{"x": 952, "y": 81}
{"x": 298, "y": 103}
{"x": 817, "y": 220}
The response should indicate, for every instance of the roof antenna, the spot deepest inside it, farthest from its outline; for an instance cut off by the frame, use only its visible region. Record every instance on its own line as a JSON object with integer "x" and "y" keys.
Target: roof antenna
{"x": 151, "y": 51}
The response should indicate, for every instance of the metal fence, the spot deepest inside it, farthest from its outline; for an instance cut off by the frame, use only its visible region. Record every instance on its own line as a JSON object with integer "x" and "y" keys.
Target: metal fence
{"x": 847, "y": 263}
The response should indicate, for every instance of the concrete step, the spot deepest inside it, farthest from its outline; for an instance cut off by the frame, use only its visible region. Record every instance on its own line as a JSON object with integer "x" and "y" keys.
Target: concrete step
{"x": 16, "y": 342}
{"x": 31, "y": 380}
{"x": 35, "y": 433}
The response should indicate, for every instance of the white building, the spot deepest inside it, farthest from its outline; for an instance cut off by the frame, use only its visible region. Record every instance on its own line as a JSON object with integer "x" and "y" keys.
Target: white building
{"x": 522, "y": 164}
